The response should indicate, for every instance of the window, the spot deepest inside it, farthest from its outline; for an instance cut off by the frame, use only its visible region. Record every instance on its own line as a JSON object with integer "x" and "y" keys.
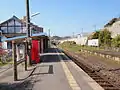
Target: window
{"x": 10, "y": 29}
{"x": 17, "y": 23}
{"x": 4, "y": 29}
{"x": 9, "y": 45}
{"x": 18, "y": 29}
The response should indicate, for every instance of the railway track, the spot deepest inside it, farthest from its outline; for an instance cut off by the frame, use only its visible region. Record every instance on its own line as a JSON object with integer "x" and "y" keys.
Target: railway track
{"x": 96, "y": 75}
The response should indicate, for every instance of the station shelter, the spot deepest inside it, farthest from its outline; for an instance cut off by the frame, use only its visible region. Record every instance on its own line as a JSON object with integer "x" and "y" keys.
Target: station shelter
{"x": 39, "y": 42}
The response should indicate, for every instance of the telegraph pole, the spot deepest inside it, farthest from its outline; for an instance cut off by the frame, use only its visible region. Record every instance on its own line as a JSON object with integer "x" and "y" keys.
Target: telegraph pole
{"x": 49, "y": 37}
{"x": 28, "y": 31}
{"x": 81, "y": 32}
{"x": 27, "y": 18}
{"x": 49, "y": 32}
{"x": 94, "y": 27}
{"x": 73, "y": 34}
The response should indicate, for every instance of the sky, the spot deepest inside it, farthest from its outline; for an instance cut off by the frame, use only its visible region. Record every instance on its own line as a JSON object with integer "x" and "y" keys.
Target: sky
{"x": 64, "y": 17}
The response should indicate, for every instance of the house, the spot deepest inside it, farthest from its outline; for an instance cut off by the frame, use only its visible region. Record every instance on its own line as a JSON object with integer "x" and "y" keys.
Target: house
{"x": 16, "y": 27}
{"x": 113, "y": 26}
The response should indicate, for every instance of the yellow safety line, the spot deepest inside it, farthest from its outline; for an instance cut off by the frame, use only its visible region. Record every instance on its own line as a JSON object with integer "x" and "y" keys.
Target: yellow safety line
{"x": 94, "y": 85}
{"x": 72, "y": 82}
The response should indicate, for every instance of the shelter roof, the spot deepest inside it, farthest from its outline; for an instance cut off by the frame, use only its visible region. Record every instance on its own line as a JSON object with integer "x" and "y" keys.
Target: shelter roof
{"x": 20, "y": 38}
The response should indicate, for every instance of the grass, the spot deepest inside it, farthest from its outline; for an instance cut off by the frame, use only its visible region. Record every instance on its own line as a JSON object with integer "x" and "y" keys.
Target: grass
{"x": 76, "y": 48}
{"x": 1, "y": 64}
{"x": 9, "y": 61}
{"x": 71, "y": 47}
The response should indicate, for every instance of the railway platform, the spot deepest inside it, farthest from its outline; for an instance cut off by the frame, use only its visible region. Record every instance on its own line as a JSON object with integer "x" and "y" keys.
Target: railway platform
{"x": 55, "y": 72}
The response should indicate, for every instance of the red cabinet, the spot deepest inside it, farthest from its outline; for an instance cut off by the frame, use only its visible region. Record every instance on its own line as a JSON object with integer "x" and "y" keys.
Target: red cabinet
{"x": 35, "y": 51}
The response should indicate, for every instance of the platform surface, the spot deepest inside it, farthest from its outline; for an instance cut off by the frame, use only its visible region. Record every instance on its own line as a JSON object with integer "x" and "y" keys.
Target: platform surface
{"x": 55, "y": 72}
{"x": 58, "y": 72}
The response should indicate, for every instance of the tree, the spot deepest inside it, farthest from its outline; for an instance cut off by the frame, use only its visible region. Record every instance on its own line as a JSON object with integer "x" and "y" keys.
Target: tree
{"x": 105, "y": 38}
{"x": 116, "y": 41}
{"x": 101, "y": 39}
{"x": 96, "y": 35}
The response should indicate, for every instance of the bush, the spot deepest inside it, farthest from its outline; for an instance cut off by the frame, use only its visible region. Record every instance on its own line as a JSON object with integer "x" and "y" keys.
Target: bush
{"x": 116, "y": 41}
{"x": 69, "y": 42}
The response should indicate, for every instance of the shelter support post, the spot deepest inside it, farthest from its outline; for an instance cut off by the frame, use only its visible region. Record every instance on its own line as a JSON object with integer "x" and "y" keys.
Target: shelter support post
{"x": 17, "y": 52}
{"x": 25, "y": 55}
{"x": 46, "y": 43}
{"x": 41, "y": 45}
{"x": 15, "y": 60}
{"x": 29, "y": 52}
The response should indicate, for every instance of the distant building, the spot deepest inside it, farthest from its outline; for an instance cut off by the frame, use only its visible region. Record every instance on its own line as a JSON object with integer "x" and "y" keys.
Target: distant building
{"x": 80, "y": 39}
{"x": 93, "y": 42}
{"x": 16, "y": 27}
{"x": 113, "y": 26}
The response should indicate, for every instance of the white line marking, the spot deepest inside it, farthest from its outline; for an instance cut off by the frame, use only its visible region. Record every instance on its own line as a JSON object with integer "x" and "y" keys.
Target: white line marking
{"x": 42, "y": 54}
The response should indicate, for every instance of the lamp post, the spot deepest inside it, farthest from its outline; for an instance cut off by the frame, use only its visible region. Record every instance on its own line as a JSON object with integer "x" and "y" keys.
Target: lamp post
{"x": 33, "y": 15}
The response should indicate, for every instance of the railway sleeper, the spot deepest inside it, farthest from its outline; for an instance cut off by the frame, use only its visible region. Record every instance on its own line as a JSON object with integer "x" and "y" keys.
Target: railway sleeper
{"x": 101, "y": 81}
{"x": 110, "y": 88}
